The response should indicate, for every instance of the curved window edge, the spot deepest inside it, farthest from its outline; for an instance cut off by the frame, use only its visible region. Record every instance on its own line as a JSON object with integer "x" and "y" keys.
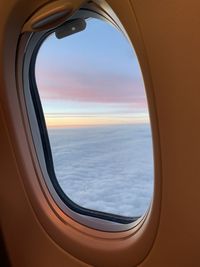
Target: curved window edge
{"x": 94, "y": 219}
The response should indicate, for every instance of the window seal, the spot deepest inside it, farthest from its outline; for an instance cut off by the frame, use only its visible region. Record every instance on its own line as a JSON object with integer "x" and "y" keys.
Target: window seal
{"x": 47, "y": 149}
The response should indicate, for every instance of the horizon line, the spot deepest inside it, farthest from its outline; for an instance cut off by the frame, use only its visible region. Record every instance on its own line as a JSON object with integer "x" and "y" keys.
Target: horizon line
{"x": 69, "y": 126}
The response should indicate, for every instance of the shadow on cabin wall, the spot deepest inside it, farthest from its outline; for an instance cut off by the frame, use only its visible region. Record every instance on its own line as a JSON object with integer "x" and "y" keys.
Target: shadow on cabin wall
{"x": 4, "y": 259}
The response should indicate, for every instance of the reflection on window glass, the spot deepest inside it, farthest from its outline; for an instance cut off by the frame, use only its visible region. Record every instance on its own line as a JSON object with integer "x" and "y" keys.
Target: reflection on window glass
{"x": 95, "y": 107}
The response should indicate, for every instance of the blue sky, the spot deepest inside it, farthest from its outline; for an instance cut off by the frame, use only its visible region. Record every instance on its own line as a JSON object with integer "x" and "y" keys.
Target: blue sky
{"x": 92, "y": 77}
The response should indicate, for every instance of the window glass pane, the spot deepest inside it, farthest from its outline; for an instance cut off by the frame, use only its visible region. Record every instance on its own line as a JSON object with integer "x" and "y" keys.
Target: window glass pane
{"x": 96, "y": 112}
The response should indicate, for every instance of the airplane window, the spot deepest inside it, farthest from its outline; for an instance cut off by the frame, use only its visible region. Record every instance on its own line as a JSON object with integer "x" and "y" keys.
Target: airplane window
{"x": 93, "y": 98}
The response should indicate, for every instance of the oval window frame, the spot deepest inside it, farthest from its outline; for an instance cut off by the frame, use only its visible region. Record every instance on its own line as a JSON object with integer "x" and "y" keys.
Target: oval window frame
{"x": 71, "y": 208}
{"x": 144, "y": 231}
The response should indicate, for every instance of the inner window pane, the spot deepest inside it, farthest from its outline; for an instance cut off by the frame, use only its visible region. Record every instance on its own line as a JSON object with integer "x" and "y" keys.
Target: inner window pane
{"x": 96, "y": 113}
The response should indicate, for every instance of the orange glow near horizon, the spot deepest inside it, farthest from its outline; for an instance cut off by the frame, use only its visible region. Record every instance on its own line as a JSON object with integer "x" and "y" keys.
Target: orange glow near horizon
{"x": 65, "y": 122}
{"x": 79, "y": 87}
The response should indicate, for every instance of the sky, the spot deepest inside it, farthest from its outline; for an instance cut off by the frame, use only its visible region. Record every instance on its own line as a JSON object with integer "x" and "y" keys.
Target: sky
{"x": 90, "y": 78}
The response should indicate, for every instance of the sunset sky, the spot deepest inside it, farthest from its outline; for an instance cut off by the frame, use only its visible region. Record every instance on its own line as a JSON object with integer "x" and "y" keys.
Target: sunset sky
{"x": 90, "y": 78}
